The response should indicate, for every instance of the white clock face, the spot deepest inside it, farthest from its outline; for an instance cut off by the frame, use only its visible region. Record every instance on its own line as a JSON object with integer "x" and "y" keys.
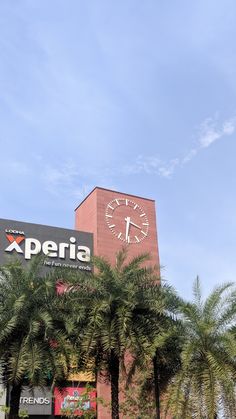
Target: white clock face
{"x": 127, "y": 220}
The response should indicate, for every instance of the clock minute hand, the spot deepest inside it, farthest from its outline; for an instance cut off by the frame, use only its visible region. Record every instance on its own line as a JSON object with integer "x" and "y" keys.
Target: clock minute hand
{"x": 127, "y": 219}
{"x": 135, "y": 225}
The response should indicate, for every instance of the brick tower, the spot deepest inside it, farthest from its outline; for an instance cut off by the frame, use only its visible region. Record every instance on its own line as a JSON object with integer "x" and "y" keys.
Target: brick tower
{"x": 117, "y": 219}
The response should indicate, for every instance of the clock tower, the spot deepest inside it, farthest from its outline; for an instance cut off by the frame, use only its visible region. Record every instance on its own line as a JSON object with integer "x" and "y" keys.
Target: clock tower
{"x": 117, "y": 219}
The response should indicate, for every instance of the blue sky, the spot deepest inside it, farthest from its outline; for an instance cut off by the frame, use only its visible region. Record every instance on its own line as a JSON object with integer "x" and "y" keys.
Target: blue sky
{"x": 136, "y": 96}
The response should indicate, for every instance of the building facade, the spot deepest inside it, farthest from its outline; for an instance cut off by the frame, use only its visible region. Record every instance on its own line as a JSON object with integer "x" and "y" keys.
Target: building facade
{"x": 105, "y": 221}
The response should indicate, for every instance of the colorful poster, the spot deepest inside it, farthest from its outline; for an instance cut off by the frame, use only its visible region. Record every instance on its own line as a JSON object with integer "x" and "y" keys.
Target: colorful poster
{"x": 74, "y": 400}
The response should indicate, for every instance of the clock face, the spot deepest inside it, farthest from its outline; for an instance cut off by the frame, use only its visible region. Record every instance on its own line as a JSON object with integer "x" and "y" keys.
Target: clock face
{"x": 127, "y": 220}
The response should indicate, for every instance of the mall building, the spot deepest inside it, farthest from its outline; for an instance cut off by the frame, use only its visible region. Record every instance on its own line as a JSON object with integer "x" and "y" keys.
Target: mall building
{"x": 105, "y": 221}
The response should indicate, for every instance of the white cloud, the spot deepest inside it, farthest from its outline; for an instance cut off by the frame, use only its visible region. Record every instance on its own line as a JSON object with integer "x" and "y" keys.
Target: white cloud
{"x": 168, "y": 169}
{"x": 142, "y": 164}
{"x": 62, "y": 180}
{"x": 151, "y": 165}
{"x": 72, "y": 180}
{"x": 75, "y": 181}
{"x": 208, "y": 138}
{"x": 189, "y": 156}
{"x": 58, "y": 176}
{"x": 229, "y": 126}
{"x": 209, "y": 132}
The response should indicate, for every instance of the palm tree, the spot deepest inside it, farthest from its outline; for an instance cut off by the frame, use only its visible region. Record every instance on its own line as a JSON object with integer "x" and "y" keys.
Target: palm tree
{"x": 33, "y": 346}
{"x": 205, "y": 384}
{"x": 121, "y": 304}
{"x": 144, "y": 397}
{"x": 163, "y": 353}
{"x": 165, "y": 358}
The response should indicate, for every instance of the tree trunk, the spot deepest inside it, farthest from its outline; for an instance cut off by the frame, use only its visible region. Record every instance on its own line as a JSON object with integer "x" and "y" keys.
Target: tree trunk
{"x": 157, "y": 387}
{"x": 15, "y": 401}
{"x": 114, "y": 373}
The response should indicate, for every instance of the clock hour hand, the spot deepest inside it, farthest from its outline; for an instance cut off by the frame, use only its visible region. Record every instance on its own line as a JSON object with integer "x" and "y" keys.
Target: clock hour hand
{"x": 127, "y": 219}
{"x": 135, "y": 225}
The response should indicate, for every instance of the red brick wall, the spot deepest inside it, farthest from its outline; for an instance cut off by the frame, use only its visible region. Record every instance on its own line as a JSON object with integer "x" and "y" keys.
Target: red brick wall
{"x": 90, "y": 217}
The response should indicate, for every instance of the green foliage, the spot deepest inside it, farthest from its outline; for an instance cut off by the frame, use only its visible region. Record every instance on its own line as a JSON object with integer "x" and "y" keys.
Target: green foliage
{"x": 34, "y": 346}
{"x": 119, "y": 310}
{"x": 119, "y": 304}
{"x": 31, "y": 318}
{"x": 118, "y": 320}
{"x": 205, "y": 383}
{"x": 23, "y": 414}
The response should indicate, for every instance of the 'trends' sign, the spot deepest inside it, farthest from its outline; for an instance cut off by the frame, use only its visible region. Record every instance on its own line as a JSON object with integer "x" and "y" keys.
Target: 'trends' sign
{"x": 63, "y": 247}
{"x": 36, "y": 402}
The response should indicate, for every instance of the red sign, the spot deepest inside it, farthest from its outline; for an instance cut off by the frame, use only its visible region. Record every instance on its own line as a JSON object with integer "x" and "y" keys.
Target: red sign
{"x": 74, "y": 400}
